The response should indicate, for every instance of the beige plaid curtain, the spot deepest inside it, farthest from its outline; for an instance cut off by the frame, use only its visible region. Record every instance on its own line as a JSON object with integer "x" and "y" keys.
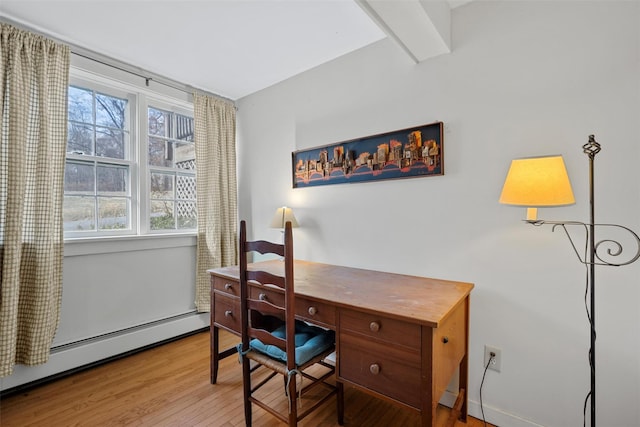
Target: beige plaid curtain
{"x": 34, "y": 75}
{"x": 217, "y": 195}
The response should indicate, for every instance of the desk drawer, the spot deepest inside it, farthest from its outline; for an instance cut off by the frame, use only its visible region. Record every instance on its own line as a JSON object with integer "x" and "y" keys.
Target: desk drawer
{"x": 381, "y": 328}
{"x": 316, "y": 312}
{"x": 306, "y": 309}
{"x": 391, "y": 371}
{"x": 274, "y": 295}
{"x": 227, "y": 286}
{"x": 227, "y": 312}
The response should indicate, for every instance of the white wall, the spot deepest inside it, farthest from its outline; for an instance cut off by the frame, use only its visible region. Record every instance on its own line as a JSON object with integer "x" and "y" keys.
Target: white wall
{"x": 525, "y": 78}
{"x": 119, "y": 295}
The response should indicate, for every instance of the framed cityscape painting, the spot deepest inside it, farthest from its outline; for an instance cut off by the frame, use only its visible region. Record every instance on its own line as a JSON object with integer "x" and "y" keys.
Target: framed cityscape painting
{"x": 405, "y": 153}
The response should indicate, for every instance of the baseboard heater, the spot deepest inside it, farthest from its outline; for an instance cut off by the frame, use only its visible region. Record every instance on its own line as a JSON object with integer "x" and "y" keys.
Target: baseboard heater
{"x": 70, "y": 358}
{"x": 62, "y": 347}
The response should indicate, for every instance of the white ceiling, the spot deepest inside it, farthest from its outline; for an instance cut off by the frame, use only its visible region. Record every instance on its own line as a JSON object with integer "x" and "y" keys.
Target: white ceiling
{"x": 228, "y": 47}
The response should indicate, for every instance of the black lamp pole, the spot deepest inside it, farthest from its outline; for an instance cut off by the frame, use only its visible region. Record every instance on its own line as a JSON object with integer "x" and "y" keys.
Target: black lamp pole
{"x": 592, "y": 148}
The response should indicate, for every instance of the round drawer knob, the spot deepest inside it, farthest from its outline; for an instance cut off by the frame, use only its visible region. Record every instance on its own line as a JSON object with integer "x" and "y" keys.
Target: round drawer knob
{"x": 374, "y": 326}
{"x": 228, "y": 313}
{"x": 445, "y": 340}
{"x": 375, "y": 369}
{"x": 228, "y": 286}
{"x": 312, "y": 311}
{"x": 262, "y": 297}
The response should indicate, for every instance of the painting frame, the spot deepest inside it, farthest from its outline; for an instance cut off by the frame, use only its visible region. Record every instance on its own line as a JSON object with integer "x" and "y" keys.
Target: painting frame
{"x": 413, "y": 152}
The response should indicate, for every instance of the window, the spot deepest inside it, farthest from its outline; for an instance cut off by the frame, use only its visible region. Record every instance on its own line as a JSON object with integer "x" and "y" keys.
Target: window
{"x": 172, "y": 167}
{"x": 97, "y": 183}
{"x": 123, "y": 181}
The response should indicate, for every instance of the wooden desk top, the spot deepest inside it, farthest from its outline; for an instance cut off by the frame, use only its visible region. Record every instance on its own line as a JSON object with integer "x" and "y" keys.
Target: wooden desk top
{"x": 409, "y": 298}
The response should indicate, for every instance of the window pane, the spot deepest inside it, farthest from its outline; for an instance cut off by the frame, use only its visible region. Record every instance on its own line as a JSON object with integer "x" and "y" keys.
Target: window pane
{"x": 80, "y": 104}
{"x": 113, "y": 213}
{"x": 78, "y": 213}
{"x": 186, "y": 187}
{"x": 184, "y": 128}
{"x": 171, "y": 145}
{"x": 159, "y": 122}
{"x": 187, "y": 215}
{"x": 112, "y": 180}
{"x": 162, "y": 215}
{"x": 184, "y": 154}
{"x": 110, "y": 111}
{"x": 160, "y": 152}
{"x": 80, "y": 139}
{"x": 109, "y": 143}
{"x": 162, "y": 186}
{"x": 79, "y": 178}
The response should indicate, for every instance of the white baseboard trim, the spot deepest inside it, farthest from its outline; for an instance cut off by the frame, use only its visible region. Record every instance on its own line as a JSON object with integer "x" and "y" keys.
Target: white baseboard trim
{"x": 68, "y": 357}
{"x": 492, "y": 415}
{"x": 71, "y": 356}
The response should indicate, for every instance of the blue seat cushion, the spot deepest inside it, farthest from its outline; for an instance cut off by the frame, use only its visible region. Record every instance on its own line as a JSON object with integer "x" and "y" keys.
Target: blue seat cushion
{"x": 310, "y": 342}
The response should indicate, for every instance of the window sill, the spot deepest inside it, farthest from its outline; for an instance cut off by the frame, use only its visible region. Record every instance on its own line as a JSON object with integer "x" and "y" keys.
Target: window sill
{"x": 111, "y": 244}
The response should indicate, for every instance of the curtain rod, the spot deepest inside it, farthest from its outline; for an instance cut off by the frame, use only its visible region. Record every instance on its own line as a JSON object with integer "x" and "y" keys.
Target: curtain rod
{"x": 110, "y": 62}
{"x": 147, "y": 77}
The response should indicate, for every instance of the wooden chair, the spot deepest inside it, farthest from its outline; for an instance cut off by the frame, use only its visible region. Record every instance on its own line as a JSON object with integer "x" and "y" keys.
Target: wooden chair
{"x": 270, "y": 333}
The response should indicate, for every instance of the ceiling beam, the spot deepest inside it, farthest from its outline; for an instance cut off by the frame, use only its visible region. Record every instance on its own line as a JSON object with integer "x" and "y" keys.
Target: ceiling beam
{"x": 422, "y": 28}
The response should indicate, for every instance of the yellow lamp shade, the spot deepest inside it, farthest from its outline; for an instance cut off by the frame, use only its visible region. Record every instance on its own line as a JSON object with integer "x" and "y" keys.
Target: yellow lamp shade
{"x": 537, "y": 182}
{"x": 281, "y": 217}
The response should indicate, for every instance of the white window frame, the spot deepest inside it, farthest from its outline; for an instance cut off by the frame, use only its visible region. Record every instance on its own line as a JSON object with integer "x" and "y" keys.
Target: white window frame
{"x": 129, "y": 161}
{"x": 173, "y": 107}
{"x": 140, "y": 98}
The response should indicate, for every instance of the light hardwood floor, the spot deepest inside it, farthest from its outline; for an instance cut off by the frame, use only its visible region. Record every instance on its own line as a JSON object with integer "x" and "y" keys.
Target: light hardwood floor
{"x": 169, "y": 386}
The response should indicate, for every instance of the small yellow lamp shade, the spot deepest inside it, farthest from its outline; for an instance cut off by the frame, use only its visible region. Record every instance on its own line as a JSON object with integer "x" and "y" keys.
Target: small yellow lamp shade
{"x": 281, "y": 217}
{"x": 537, "y": 182}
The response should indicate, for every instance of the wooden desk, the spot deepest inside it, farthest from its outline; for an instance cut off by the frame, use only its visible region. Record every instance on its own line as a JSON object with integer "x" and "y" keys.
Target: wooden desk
{"x": 398, "y": 337}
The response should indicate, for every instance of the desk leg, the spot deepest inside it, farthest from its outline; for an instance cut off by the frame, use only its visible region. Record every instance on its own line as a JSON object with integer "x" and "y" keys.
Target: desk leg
{"x": 214, "y": 339}
{"x": 463, "y": 379}
{"x": 462, "y": 388}
{"x": 427, "y": 406}
{"x": 428, "y": 413}
{"x": 455, "y": 413}
{"x": 215, "y": 355}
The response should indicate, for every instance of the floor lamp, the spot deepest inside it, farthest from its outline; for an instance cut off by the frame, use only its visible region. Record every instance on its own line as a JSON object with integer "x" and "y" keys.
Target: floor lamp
{"x": 542, "y": 182}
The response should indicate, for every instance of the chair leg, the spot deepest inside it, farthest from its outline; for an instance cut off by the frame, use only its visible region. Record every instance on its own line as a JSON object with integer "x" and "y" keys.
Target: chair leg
{"x": 340, "y": 402}
{"x": 246, "y": 386}
{"x": 293, "y": 401}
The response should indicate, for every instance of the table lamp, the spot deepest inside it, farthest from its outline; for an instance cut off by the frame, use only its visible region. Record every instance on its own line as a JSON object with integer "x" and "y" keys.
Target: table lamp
{"x": 281, "y": 217}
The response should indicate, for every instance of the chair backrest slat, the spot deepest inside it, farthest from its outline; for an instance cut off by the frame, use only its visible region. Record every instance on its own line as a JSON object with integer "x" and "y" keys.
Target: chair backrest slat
{"x": 265, "y": 247}
{"x": 281, "y": 304}
{"x": 265, "y": 278}
{"x": 266, "y": 308}
{"x": 268, "y": 339}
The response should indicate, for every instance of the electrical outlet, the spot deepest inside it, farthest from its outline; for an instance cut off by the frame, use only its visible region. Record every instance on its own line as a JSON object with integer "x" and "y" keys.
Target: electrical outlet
{"x": 496, "y": 362}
